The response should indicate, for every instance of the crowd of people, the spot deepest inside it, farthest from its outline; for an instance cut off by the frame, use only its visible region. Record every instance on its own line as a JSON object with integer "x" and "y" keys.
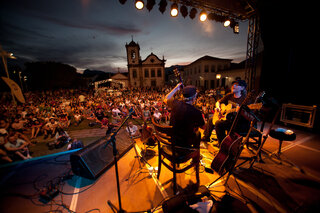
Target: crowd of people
{"x": 48, "y": 114}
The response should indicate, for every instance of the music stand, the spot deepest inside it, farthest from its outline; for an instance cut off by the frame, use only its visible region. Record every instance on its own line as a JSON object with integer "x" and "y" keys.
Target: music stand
{"x": 113, "y": 141}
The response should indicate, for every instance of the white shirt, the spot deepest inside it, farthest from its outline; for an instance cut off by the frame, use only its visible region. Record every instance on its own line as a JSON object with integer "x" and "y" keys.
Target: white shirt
{"x": 157, "y": 115}
{"x": 132, "y": 130}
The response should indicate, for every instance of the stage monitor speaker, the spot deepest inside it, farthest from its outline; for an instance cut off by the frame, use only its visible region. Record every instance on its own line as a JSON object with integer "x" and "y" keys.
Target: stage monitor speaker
{"x": 94, "y": 159}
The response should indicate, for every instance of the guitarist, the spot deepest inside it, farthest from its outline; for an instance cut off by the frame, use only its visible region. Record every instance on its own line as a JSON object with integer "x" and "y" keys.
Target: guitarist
{"x": 185, "y": 119}
{"x": 237, "y": 95}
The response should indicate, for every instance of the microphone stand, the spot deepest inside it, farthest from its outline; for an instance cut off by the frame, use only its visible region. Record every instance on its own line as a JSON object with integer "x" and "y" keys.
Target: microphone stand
{"x": 113, "y": 141}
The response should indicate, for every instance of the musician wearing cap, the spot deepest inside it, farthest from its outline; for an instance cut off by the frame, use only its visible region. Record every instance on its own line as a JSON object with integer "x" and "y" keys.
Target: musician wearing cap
{"x": 185, "y": 118}
{"x": 231, "y": 100}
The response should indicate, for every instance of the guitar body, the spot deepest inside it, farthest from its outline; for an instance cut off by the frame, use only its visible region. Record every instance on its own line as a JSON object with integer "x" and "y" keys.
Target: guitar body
{"x": 228, "y": 112}
{"x": 222, "y": 114}
{"x": 227, "y": 153}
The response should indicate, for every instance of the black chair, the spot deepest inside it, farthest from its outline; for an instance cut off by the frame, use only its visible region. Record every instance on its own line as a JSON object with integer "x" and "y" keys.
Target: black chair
{"x": 169, "y": 157}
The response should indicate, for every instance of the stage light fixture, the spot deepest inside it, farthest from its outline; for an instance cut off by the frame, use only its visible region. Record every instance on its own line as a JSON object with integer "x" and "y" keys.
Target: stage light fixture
{"x": 150, "y": 4}
{"x": 174, "y": 10}
{"x": 227, "y": 23}
{"x": 122, "y": 1}
{"x": 184, "y": 11}
{"x": 193, "y": 13}
{"x": 235, "y": 26}
{"x": 162, "y": 6}
{"x": 139, "y": 4}
{"x": 211, "y": 16}
{"x": 203, "y": 16}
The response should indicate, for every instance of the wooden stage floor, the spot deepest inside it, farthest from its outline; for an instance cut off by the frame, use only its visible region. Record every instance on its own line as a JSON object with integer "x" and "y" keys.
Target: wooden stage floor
{"x": 266, "y": 187}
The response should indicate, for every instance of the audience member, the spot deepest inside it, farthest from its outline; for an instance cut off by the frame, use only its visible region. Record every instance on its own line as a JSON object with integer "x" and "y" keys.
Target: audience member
{"x": 17, "y": 143}
{"x": 133, "y": 130}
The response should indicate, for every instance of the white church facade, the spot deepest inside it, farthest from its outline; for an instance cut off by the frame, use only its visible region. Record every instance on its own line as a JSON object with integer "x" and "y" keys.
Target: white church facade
{"x": 144, "y": 73}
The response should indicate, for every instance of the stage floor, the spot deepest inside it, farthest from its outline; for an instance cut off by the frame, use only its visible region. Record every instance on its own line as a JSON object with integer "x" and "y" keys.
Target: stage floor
{"x": 266, "y": 187}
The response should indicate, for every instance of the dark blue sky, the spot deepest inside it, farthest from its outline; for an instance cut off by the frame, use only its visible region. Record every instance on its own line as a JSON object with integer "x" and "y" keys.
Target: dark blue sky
{"x": 93, "y": 33}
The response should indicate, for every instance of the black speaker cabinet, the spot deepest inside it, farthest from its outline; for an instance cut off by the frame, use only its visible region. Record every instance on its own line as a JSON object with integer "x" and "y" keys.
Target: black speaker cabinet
{"x": 94, "y": 159}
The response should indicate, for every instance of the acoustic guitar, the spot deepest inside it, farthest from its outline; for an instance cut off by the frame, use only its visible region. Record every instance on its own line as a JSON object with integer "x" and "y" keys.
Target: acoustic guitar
{"x": 227, "y": 110}
{"x": 227, "y": 153}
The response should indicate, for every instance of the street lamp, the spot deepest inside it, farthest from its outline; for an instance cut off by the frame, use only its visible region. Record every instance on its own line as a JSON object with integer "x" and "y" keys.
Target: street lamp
{"x": 218, "y": 76}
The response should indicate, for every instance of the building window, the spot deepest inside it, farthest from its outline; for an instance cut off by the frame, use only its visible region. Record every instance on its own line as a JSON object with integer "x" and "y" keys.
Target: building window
{"x": 206, "y": 68}
{"x": 133, "y": 54}
{"x": 199, "y": 69}
{"x": 159, "y": 73}
{"x": 146, "y": 73}
{"x": 134, "y": 73}
{"x": 223, "y": 82}
{"x": 212, "y": 84}
{"x": 213, "y": 68}
{"x": 153, "y": 82}
{"x": 153, "y": 73}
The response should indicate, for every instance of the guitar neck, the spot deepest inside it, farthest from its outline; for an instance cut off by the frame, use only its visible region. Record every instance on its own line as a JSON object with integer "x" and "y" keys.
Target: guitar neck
{"x": 178, "y": 75}
{"x": 251, "y": 106}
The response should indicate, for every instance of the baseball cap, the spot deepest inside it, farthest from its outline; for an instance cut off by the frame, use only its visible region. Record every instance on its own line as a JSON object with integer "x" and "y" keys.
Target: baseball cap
{"x": 240, "y": 83}
{"x": 189, "y": 91}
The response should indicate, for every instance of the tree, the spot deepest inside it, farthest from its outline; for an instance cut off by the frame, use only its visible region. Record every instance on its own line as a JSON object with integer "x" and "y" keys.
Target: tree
{"x": 52, "y": 75}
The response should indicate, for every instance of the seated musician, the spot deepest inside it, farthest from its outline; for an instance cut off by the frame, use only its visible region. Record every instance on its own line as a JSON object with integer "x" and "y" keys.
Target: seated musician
{"x": 237, "y": 95}
{"x": 185, "y": 120}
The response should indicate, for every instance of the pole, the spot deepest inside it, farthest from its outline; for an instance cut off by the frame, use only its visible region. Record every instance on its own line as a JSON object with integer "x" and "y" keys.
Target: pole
{"x": 113, "y": 141}
{"x": 6, "y": 69}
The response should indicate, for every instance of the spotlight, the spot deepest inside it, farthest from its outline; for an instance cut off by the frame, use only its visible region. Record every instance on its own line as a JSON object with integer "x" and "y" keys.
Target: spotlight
{"x": 139, "y": 4}
{"x": 184, "y": 11}
{"x": 203, "y": 16}
{"x": 193, "y": 13}
{"x": 162, "y": 6}
{"x": 227, "y": 23}
{"x": 150, "y": 4}
{"x": 122, "y": 1}
{"x": 174, "y": 10}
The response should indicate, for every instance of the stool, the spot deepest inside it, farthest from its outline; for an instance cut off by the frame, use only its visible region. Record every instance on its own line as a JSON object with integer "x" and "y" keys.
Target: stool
{"x": 282, "y": 135}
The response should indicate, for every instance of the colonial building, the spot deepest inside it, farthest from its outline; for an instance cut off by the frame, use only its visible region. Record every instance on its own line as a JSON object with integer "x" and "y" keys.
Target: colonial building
{"x": 210, "y": 72}
{"x": 144, "y": 73}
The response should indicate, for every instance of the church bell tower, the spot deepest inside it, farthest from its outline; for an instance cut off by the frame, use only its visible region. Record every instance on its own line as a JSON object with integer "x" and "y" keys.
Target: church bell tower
{"x": 133, "y": 53}
{"x": 134, "y": 64}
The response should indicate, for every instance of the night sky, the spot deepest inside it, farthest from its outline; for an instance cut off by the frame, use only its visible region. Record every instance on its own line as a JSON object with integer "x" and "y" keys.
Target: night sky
{"x": 91, "y": 34}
